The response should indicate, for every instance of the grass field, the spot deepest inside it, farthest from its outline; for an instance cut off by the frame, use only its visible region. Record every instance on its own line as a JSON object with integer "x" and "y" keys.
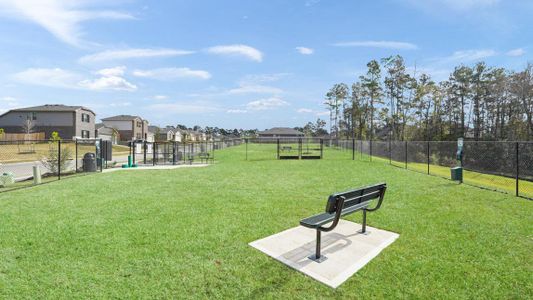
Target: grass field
{"x": 184, "y": 233}
{"x": 494, "y": 182}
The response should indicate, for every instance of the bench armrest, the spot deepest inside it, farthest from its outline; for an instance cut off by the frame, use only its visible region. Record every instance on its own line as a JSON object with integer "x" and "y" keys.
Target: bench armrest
{"x": 338, "y": 213}
{"x": 380, "y": 201}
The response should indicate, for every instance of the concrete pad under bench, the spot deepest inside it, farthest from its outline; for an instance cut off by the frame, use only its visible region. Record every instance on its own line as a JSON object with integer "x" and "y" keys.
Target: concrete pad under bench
{"x": 346, "y": 250}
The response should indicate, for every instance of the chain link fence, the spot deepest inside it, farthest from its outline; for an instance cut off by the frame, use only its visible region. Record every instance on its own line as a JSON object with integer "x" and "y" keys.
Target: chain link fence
{"x": 31, "y": 162}
{"x": 501, "y": 166}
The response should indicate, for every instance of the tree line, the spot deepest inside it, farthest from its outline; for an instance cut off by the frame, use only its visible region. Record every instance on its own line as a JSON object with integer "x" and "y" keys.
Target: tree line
{"x": 476, "y": 102}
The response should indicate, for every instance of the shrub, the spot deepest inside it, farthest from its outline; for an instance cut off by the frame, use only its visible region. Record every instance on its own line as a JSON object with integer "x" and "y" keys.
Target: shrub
{"x": 53, "y": 160}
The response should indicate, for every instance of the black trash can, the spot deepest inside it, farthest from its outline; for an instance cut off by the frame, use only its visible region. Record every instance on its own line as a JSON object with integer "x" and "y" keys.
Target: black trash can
{"x": 89, "y": 162}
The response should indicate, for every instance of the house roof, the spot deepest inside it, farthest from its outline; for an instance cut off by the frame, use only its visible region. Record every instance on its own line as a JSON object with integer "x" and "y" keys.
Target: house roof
{"x": 281, "y": 131}
{"x": 51, "y": 108}
{"x": 122, "y": 118}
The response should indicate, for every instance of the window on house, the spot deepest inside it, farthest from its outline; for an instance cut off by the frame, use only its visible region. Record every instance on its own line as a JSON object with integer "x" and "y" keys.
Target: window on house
{"x": 138, "y": 135}
{"x": 34, "y": 116}
{"x": 139, "y": 124}
{"x": 85, "y": 134}
{"x": 85, "y": 118}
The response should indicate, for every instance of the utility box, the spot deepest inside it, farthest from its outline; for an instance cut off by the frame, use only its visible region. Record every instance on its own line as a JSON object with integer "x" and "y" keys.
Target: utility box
{"x": 457, "y": 174}
{"x": 7, "y": 179}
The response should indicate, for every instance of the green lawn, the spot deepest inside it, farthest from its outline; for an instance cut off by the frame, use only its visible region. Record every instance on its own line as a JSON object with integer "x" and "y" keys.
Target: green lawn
{"x": 184, "y": 233}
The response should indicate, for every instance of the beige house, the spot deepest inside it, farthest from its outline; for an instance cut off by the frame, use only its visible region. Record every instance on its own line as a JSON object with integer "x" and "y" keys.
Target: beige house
{"x": 129, "y": 127}
{"x": 70, "y": 122}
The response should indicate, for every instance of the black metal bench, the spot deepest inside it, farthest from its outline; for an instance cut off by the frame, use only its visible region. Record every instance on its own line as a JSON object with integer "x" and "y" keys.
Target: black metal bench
{"x": 342, "y": 204}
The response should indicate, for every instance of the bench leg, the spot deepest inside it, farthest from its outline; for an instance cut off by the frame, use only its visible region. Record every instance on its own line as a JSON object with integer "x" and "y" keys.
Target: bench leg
{"x": 363, "y": 230}
{"x": 317, "y": 257}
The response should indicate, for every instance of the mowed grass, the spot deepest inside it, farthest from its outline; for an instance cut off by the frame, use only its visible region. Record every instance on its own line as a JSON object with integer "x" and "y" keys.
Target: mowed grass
{"x": 493, "y": 182}
{"x": 184, "y": 233}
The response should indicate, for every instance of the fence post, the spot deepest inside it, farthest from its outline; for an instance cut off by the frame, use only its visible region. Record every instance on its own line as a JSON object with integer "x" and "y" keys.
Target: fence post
{"x": 278, "y": 147}
{"x": 406, "y": 154}
{"x": 390, "y": 150}
{"x": 153, "y": 153}
{"x": 173, "y": 153}
{"x": 59, "y": 160}
{"x": 144, "y": 152}
{"x": 321, "y": 148}
{"x": 246, "y": 141}
{"x": 517, "y": 168}
{"x": 134, "y": 148}
{"x": 361, "y": 142}
{"x": 428, "y": 156}
{"x": 353, "y": 149}
{"x": 370, "y": 149}
{"x": 101, "y": 156}
{"x": 76, "y": 164}
{"x": 300, "y": 148}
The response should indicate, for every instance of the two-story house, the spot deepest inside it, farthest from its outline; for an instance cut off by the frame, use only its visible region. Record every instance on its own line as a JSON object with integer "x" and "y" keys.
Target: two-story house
{"x": 129, "y": 127}
{"x": 68, "y": 121}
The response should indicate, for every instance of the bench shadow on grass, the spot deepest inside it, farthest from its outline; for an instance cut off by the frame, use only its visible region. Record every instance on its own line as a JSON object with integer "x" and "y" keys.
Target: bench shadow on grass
{"x": 300, "y": 255}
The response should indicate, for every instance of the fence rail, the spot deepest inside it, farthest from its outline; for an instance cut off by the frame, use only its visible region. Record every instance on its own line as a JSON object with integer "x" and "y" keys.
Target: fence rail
{"x": 501, "y": 166}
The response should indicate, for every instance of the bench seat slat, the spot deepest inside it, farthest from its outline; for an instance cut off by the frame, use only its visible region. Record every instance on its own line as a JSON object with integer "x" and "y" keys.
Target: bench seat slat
{"x": 323, "y": 218}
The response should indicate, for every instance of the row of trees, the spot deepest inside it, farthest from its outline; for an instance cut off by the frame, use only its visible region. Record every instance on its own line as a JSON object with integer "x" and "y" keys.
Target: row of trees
{"x": 477, "y": 102}
{"x": 216, "y": 131}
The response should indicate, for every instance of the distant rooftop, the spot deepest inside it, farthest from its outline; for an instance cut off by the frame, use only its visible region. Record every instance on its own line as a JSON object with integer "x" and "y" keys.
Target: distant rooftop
{"x": 281, "y": 131}
{"x": 122, "y": 118}
{"x": 52, "y": 108}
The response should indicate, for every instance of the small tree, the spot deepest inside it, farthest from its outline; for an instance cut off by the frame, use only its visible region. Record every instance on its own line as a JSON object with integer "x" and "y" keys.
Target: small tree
{"x": 2, "y": 132}
{"x": 53, "y": 161}
{"x": 28, "y": 125}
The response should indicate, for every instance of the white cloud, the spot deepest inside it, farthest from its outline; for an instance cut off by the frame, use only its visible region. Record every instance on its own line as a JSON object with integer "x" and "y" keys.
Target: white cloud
{"x": 516, "y": 52}
{"x": 8, "y": 101}
{"x": 172, "y": 73}
{"x": 160, "y": 97}
{"x": 113, "y": 55}
{"x": 305, "y": 50}
{"x": 261, "y": 78}
{"x": 464, "y": 56}
{"x": 183, "y": 108}
{"x": 62, "y": 18}
{"x": 236, "y": 111}
{"x": 379, "y": 44}
{"x": 111, "y": 79}
{"x": 311, "y": 111}
{"x": 266, "y": 104}
{"x": 48, "y": 77}
{"x": 108, "y": 83}
{"x": 255, "y": 89}
{"x": 116, "y": 71}
{"x": 237, "y": 50}
{"x": 120, "y": 104}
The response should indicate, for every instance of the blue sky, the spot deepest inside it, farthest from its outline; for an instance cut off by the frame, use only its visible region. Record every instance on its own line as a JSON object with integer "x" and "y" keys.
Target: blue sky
{"x": 243, "y": 64}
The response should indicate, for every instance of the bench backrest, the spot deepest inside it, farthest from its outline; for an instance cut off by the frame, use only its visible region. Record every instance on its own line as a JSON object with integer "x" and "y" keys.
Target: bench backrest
{"x": 356, "y": 197}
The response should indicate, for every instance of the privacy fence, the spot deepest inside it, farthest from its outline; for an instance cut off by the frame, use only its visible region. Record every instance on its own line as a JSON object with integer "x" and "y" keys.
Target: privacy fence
{"x": 501, "y": 166}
